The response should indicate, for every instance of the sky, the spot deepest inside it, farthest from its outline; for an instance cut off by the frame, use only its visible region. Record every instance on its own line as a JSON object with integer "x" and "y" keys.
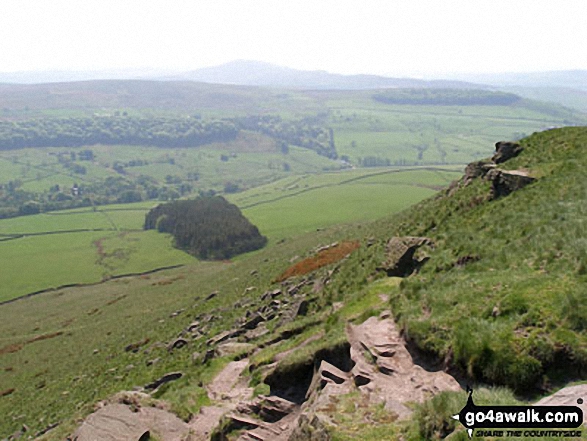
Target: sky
{"x": 406, "y": 38}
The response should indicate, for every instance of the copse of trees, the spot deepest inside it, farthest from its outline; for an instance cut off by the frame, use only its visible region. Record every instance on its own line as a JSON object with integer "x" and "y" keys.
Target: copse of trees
{"x": 307, "y": 133}
{"x": 209, "y": 228}
{"x": 446, "y": 97}
{"x": 113, "y": 130}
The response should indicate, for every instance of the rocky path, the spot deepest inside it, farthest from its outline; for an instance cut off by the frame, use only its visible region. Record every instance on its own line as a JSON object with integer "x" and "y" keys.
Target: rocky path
{"x": 378, "y": 365}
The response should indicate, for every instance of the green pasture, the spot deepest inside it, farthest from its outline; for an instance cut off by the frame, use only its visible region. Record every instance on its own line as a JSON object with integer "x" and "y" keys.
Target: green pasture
{"x": 54, "y": 253}
{"x": 34, "y": 263}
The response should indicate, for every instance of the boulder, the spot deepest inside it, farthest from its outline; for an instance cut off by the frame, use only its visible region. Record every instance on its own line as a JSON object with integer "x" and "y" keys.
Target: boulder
{"x": 504, "y": 182}
{"x": 401, "y": 259}
{"x": 506, "y": 150}
{"x": 178, "y": 343}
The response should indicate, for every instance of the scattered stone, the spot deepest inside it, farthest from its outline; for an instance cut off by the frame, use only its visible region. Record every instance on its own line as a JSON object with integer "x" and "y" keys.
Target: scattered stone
{"x": 134, "y": 347}
{"x": 193, "y": 326}
{"x": 258, "y": 332}
{"x": 196, "y": 357}
{"x": 225, "y": 335}
{"x": 249, "y": 289}
{"x": 172, "y": 376}
{"x": 153, "y": 361}
{"x": 176, "y": 313}
{"x": 95, "y": 351}
{"x": 505, "y": 151}
{"x": 178, "y": 343}
{"x": 254, "y": 272}
{"x": 301, "y": 308}
{"x": 211, "y": 296}
{"x": 130, "y": 367}
{"x": 252, "y": 322}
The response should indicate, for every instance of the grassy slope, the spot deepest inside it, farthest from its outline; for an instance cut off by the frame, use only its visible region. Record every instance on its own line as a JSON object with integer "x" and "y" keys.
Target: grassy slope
{"x": 531, "y": 246}
{"x": 532, "y": 266}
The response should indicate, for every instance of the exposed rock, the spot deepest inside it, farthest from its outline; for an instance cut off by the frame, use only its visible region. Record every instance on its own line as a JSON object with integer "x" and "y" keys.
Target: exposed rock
{"x": 225, "y": 335}
{"x": 253, "y": 321}
{"x": 172, "y": 376}
{"x": 272, "y": 409}
{"x": 385, "y": 368}
{"x": 301, "y": 308}
{"x": 117, "y": 422}
{"x": 477, "y": 169}
{"x": 178, "y": 343}
{"x": 504, "y": 182}
{"x": 253, "y": 334}
{"x": 328, "y": 372}
{"x": 134, "y": 347}
{"x": 230, "y": 348}
{"x": 506, "y": 150}
{"x": 401, "y": 259}
{"x": 193, "y": 326}
{"x": 568, "y": 396}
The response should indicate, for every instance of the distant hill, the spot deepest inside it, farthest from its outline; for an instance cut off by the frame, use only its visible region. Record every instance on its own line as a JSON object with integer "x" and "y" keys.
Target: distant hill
{"x": 255, "y": 73}
{"x": 570, "y": 79}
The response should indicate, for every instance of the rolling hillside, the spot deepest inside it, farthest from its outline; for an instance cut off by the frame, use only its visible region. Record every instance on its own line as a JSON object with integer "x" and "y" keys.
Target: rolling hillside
{"x": 491, "y": 292}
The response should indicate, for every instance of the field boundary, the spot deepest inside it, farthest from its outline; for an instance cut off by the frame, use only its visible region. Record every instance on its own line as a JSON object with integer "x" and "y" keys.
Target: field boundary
{"x": 81, "y": 285}
{"x": 347, "y": 181}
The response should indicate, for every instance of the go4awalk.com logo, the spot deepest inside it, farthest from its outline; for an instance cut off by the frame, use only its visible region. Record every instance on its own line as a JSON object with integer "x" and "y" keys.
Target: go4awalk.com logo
{"x": 518, "y": 421}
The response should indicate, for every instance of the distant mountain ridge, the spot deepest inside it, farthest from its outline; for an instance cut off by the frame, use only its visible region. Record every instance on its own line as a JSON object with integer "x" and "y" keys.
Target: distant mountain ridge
{"x": 255, "y": 73}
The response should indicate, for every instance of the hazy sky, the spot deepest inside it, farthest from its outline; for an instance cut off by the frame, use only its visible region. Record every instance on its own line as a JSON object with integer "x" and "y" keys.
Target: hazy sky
{"x": 407, "y": 37}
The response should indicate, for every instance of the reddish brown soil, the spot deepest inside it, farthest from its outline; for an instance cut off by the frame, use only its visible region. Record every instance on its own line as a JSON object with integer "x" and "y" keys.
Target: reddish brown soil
{"x": 322, "y": 258}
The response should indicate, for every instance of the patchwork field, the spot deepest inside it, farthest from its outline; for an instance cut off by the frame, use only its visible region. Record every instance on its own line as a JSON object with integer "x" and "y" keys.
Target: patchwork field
{"x": 88, "y": 245}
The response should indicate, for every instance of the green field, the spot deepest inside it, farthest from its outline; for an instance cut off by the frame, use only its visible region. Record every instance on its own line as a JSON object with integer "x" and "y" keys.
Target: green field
{"x": 55, "y": 254}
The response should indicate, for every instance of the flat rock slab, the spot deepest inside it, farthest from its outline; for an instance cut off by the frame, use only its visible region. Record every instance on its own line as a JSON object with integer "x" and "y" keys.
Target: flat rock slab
{"x": 568, "y": 396}
{"x": 226, "y": 386}
{"x": 202, "y": 425}
{"x": 390, "y": 373}
{"x": 117, "y": 422}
